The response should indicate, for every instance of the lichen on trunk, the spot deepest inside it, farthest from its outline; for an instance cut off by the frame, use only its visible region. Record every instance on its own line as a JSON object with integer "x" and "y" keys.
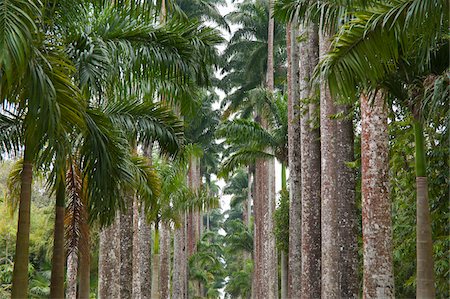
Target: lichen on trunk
{"x": 378, "y": 278}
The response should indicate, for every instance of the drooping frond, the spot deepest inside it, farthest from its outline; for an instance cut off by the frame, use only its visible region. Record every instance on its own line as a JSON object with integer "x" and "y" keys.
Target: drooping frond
{"x": 243, "y": 157}
{"x": 147, "y": 182}
{"x": 17, "y": 26}
{"x": 244, "y": 131}
{"x": 104, "y": 153}
{"x": 11, "y": 134}
{"x": 367, "y": 48}
{"x": 13, "y": 186}
{"x": 76, "y": 211}
{"x": 149, "y": 122}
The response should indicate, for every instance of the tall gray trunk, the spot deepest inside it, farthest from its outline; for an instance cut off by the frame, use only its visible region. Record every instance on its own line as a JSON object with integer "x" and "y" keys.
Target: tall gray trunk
{"x": 165, "y": 261}
{"x": 284, "y": 275}
{"x": 266, "y": 171}
{"x": 329, "y": 213}
{"x": 310, "y": 163}
{"x": 72, "y": 269}
{"x": 126, "y": 250}
{"x": 109, "y": 262}
{"x": 378, "y": 278}
{"x": 155, "y": 276}
{"x": 294, "y": 153}
{"x": 145, "y": 249}
{"x": 348, "y": 260}
{"x": 136, "y": 262}
{"x": 179, "y": 280}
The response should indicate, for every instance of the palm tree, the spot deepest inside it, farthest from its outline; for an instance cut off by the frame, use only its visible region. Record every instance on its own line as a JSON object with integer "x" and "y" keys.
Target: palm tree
{"x": 42, "y": 90}
{"x": 401, "y": 18}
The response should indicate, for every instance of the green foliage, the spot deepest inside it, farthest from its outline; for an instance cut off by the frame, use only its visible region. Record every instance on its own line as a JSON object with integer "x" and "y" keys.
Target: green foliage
{"x": 281, "y": 217}
{"x": 205, "y": 265}
{"x": 404, "y": 203}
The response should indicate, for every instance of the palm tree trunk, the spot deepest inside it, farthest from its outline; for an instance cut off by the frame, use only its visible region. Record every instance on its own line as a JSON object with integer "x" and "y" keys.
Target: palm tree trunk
{"x": 294, "y": 154}
{"x": 58, "y": 259}
{"x": 248, "y": 209}
{"x": 84, "y": 289}
{"x": 284, "y": 274}
{"x": 165, "y": 261}
{"x": 425, "y": 263}
{"x": 155, "y": 265}
{"x": 310, "y": 163}
{"x": 376, "y": 204}
{"x": 72, "y": 272}
{"x": 20, "y": 272}
{"x": 179, "y": 282}
{"x": 145, "y": 249}
{"x": 136, "y": 262}
{"x": 267, "y": 278}
{"x": 329, "y": 209}
{"x": 109, "y": 262}
{"x": 126, "y": 250}
{"x": 346, "y": 183}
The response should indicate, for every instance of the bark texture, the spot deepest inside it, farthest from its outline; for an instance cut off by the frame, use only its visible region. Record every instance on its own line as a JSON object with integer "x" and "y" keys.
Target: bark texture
{"x": 136, "y": 262}
{"x": 267, "y": 278}
{"x": 126, "y": 250}
{"x": 58, "y": 258}
{"x": 179, "y": 280}
{"x": 378, "y": 278}
{"x": 85, "y": 266}
{"x": 347, "y": 234}
{"x": 145, "y": 250}
{"x": 165, "y": 261}
{"x": 425, "y": 264}
{"x": 284, "y": 274}
{"x": 310, "y": 163}
{"x": 329, "y": 211}
{"x": 20, "y": 272}
{"x": 109, "y": 261}
{"x": 155, "y": 276}
{"x": 294, "y": 153}
{"x": 72, "y": 272}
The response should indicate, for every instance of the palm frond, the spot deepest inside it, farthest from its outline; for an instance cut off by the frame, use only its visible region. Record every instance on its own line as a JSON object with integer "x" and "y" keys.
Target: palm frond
{"x": 13, "y": 187}
{"x": 76, "y": 212}
{"x": 242, "y": 157}
{"x": 149, "y": 122}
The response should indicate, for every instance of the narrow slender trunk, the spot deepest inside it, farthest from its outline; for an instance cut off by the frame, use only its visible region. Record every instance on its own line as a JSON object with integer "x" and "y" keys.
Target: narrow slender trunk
{"x": 20, "y": 272}
{"x": 310, "y": 163}
{"x": 58, "y": 259}
{"x": 346, "y": 182}
{"x": 329, "y": 208}
{"x": 72, "y": 273}
{"x": 84, "y": 289}
{"x": 265, "y": 171}
{"x": 126, "y": 250}
{"x": 155, "y": 265}
{"x": 145, "y": 249}
{"x": 179, "y": 282}
{"x": 249, "y": 198}
{"x": 109, "y": 262}
{"x": 425, "y": 263}
{"x": 136, "y": 262}
{"x": 376, "y": 204}
{"x": 284, "y": 275}
{"x": 294, "y": 153}
{"x": 165, "y": 261}
{"x": 257, "y": 235}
